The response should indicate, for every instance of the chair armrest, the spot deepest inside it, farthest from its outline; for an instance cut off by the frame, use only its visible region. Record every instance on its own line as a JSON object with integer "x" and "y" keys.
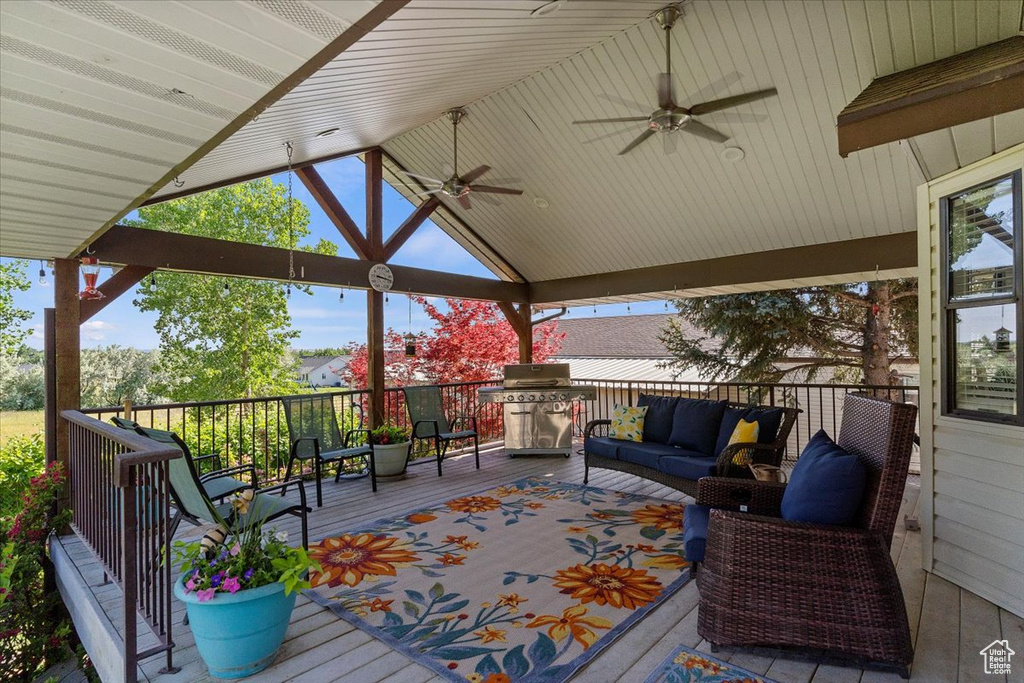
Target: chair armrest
{"x": 766, "y": 453}
{"x": 463, "y": 418}
{"x": 212, "y": 456}
{"x": 350, "y": 432}
{"x": 288, "y": 483}
{"x": 417, "y": 423}
{"x": 759, "y": 497}
{"x": 592, "y": 425}
{"x": 316, "y": 445}
{"x": 228, "y": 471}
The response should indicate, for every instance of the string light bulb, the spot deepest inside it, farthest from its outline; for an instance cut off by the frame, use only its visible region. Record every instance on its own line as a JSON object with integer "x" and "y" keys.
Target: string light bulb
{"x": 152, "y": 284}
{"x": 341, "y": 296}
{"x": 43, "y": 282}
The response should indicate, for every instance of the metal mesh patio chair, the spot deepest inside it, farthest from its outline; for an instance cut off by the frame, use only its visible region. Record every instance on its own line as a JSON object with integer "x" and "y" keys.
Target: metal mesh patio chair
{"x": 426, "y": 411}
{"x": 217, "y": 483}
{"x": 192, "y": 503}
{"x": 769, "y": 582}
{"x": 314, "y": 435}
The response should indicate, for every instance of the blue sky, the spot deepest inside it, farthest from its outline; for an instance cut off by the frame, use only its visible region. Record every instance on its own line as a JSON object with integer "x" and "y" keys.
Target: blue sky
{"x": 321, "y": 318}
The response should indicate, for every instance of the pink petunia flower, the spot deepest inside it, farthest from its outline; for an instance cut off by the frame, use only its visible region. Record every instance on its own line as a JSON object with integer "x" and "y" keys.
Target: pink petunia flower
{"x": 205, "y": 595}
{"x": 190, "y": 585}
{"x": 235, "y": 549}
{"x": 231, "y": 584}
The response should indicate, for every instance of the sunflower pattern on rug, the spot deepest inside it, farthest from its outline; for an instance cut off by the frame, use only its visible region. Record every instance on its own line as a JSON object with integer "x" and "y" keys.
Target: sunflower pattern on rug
{"x": 523, "y": 582}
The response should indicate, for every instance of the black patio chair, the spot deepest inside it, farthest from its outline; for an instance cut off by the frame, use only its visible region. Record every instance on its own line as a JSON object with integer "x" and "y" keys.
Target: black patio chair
{"x": 314, "y": 434}
{"x": 426, "y": 411}
{"x": 218, "y": 483}
{"x": 192, "y": 503}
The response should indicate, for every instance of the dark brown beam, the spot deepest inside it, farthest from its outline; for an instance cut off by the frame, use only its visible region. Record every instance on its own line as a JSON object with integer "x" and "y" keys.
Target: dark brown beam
{"x": 335, "y": 211}
{"x": 375, "y": 379}
{"x": 375, "y": 203}
{"x": 966, "y": 87}
{"x": 68, "y": 356}
{"x": 520, "y": 318}
{"x": 371, "y": 20}
{"x": 118, "y": 283}
{"x": 172, "y": 251}
{"x": 820, "y": 260}
{"x": 512, "y": 316}
{"x": 406, "y": 229}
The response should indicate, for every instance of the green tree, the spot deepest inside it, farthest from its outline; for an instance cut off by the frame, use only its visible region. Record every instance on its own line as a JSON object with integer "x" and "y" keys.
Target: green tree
{"x": 858, "y": 329}
{"x": 226, "y": 344}
{"x": 113, "y": 374}
{"x": 12, "y": 279}
{"x": 21, "y": 383}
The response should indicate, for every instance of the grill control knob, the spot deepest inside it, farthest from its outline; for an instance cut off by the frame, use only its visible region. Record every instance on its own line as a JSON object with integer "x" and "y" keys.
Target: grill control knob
{"x": 520, "y": 397}
{"x": 564, "y": 397}
{"x": 532, "y": 397}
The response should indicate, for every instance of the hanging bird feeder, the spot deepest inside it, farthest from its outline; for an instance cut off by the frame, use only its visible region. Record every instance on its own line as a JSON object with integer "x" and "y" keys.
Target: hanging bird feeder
{"x": 91, "y": 272}
{"x": 410, "y": 338}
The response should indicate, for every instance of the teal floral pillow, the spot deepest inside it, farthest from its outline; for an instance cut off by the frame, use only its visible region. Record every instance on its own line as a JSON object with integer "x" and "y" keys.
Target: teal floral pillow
{"x": 627, "y": 423}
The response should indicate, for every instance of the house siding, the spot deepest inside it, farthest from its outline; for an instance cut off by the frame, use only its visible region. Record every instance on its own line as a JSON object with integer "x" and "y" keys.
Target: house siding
{"x": 972, "y": 507}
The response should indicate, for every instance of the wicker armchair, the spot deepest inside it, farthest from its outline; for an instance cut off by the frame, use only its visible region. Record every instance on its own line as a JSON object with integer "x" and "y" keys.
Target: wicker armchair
{"x": 767, "y": 582}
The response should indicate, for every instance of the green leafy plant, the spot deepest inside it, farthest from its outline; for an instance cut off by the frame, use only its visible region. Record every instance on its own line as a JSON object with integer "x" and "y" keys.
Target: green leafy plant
{"x": 250, "y": 558}
{"x": 22, "y": 458}
{"x": 388, "y": 433}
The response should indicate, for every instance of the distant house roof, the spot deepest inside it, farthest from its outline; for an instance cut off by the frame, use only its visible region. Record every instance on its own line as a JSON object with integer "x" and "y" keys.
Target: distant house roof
{"x": 309, "y": 363}
{"x": 630, "y": 370}
{"x": 620, "y": 336}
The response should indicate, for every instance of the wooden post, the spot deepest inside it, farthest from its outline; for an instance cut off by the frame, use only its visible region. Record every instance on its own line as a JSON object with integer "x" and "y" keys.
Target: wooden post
{"x": 375, "y": 300}
{"x": 67, "y": 356}
{"x": 128, "y": 409}
{"x": 50, "y": 384}
{"x": 525, "y": 333}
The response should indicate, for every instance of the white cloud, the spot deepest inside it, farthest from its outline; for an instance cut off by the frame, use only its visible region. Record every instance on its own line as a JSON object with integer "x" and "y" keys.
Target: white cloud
{"x": 96, "y": 330}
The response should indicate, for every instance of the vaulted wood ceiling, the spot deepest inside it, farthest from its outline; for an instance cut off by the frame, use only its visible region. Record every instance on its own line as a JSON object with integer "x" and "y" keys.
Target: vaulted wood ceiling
{"x": 523, "y": 80}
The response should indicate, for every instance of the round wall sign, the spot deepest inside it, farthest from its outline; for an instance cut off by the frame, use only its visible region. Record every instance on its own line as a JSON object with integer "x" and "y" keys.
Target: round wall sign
{"x": 381, "y": 278}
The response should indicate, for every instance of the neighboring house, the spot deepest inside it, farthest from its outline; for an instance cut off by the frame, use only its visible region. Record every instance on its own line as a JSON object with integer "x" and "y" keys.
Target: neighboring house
{"x": 322, "y": 371}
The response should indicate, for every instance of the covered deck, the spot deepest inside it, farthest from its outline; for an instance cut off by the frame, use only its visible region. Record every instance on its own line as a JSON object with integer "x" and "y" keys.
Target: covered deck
{"x": 948, "y": 624}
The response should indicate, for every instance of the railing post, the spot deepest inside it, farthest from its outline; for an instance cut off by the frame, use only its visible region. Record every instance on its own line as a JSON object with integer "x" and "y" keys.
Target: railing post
{"x": 129, "y": 575}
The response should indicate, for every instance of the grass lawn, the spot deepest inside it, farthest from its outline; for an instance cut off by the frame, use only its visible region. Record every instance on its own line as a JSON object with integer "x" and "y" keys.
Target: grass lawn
{"x": 19, "y": 423}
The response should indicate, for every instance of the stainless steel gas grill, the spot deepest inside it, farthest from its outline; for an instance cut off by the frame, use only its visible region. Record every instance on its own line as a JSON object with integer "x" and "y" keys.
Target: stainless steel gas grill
{"x": 538, "y": 401}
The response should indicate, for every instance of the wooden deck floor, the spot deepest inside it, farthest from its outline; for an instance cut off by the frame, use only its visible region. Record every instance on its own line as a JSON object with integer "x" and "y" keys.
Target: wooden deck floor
{"x": 950, "y": 625}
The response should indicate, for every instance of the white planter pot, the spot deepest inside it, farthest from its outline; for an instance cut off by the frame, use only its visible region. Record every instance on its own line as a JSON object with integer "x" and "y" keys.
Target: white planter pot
{"x": 390, "y": 459}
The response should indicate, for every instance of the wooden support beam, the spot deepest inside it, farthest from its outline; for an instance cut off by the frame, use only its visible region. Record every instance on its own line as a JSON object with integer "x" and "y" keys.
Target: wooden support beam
{"x": 406, "y": 229}
{"x": 966, "y": 87}
{"x": 870, "y": 254}
{"x": 67, "y": 354}
{"x": 512, "y": 316}
{"x": 334, "y": 210}
{"x": 118, "y": 283}
{"x": 375, "y": 356}
{"x": 521, "y": 320}
{"x": 187, "y": 253}
{"x": 50, "y": 384}
{"x": 375, "y": 203}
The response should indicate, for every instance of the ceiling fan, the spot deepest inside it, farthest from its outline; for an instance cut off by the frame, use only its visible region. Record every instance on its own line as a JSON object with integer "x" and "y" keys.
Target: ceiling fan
{"x": 669, "y": 117}
{"x": 458, "y": 187}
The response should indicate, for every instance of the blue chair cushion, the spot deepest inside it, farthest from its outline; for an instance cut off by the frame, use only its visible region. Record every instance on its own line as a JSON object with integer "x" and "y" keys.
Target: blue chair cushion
{"x": 646, "y": 453}
{"x": 604, "y": 446}
{"x": 658, "y": 420}
{"x": 768, "y": 420}
{"x": 696, "y": 423}
{"x": 695, "y": 531}
{"x": 688, "y": 464}
{"x": 826, "y": 486}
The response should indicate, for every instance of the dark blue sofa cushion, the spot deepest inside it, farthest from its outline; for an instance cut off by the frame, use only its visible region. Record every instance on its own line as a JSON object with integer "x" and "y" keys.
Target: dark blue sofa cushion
{"x": 646, "y": 453}
{"x": 695, "y": 424}
{"x": 688, "y": 464}
{"x": 826, "y": 485}
{"x": 658, "y": 420}
{"x": 695, "y": 531}
{"x": 768, "y": 422}
{"x": 603, "y": 445}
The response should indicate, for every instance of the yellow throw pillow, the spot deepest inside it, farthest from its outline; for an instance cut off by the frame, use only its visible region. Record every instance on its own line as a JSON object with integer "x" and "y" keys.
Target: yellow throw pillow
{"x": 627, "y": 423}
{"x": 745, "y": 432}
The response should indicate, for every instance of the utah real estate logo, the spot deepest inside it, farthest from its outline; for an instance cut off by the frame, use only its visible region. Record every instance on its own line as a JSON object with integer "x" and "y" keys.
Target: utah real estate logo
{"x": 997, "y": 657}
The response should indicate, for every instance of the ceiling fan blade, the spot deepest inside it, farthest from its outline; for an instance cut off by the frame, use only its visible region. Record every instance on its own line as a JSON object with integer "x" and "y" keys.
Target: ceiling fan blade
{"x": 616, "y": 133}
{"x": 671, "y": 143}
{"x": 625, "y": 119}
{"x": 464, "y": 201}
{"x": 494, "y": 190}
{"x": 487, "y": 199}
{"x": 737, "y": 117}
{"x": 735, "y": 100}
{"x": 643, "y": 136}
{"x": 427, "y": 193}
{"x": 666, "y": 100}
{"x": 417, "y": 176}
{"x": 712, "y": 89}
{"x": 700, "y": 130}
{"x": 474, "y": 174}
{"x": 629, "y": 104}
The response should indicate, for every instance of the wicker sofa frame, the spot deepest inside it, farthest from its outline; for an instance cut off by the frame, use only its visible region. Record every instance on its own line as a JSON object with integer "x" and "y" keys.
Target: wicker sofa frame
{"x": 830, "y": 590}
{"x": 766, "y": 453}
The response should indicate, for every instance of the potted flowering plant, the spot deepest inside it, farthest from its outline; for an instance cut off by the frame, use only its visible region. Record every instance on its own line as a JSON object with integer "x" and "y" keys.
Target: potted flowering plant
{"x": 239, "y": 590}
{"x": 391, "y": 448}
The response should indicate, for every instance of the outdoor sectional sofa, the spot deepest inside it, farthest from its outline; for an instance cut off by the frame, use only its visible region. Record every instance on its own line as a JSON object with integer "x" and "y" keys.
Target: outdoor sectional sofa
{"x": 685, "y": 439}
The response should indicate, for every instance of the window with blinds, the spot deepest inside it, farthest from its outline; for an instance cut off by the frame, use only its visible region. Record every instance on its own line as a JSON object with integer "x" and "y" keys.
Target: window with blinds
{"x": 982, "y": 295}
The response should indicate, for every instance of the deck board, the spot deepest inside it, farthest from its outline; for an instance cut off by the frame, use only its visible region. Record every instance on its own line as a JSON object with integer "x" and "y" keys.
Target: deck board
{"x": 321, "y": 647}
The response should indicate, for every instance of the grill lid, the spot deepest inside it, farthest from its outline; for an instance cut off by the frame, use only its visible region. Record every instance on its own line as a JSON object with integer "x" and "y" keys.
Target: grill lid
{"x": 530, "y": 375}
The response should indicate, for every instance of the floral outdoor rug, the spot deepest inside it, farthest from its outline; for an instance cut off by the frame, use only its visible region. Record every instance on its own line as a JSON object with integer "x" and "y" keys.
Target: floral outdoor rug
{"x": 689, "y": 666}
{"x": 524, "y": 582}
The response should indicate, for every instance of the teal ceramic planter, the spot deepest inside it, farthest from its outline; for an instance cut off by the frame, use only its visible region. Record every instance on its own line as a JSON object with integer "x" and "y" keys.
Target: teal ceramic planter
{"x": 238, "y": 635}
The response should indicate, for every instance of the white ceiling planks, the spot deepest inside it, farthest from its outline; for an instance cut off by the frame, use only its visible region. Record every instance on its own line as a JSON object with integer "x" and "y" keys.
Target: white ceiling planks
{"x": 101, "y": 99}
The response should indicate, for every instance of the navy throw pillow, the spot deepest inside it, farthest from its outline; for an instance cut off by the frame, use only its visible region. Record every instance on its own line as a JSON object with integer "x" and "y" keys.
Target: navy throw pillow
{"x": 695, "y": 424}
{"x": 768, "y": 422}
{"x": 826, "y": 486}
{"x": 658, "y": 420}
